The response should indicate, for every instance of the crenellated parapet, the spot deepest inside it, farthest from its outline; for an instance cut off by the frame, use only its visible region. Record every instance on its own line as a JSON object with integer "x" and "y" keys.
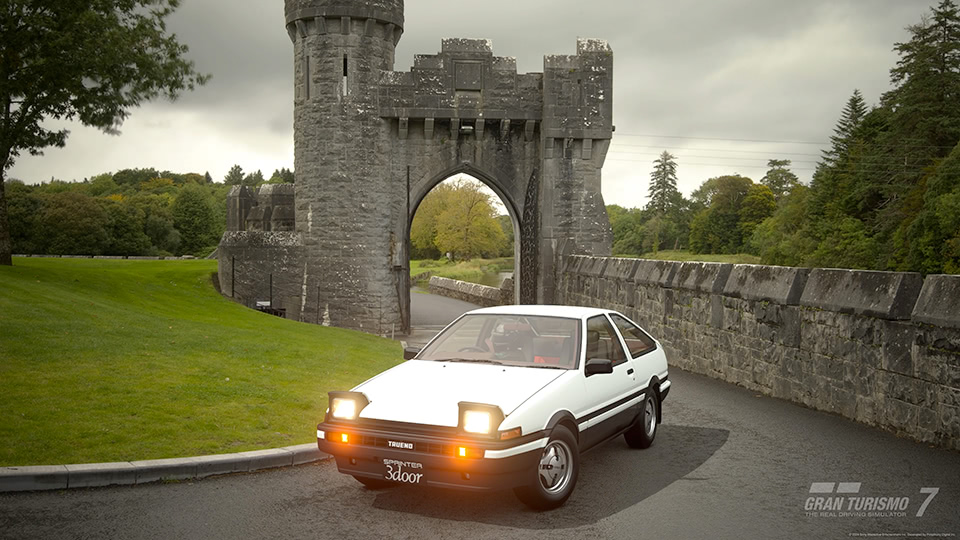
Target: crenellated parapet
{"x": 464, "y": 88}
{"x": 578, "y": 100}
{"x": 380, "y": 18}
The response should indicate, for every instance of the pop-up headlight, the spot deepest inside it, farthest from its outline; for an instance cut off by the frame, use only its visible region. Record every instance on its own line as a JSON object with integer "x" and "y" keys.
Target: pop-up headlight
{"x": 346, "y": 405}
{"x": 476, "y": 422}
{"x": 479, "y": 418}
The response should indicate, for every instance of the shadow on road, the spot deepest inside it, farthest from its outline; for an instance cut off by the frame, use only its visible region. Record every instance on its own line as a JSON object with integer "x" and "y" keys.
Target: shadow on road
{"x": 613, "y": 477}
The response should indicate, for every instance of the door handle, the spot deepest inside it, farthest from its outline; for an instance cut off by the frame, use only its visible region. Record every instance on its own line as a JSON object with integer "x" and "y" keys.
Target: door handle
{"x": 630, "y": 371}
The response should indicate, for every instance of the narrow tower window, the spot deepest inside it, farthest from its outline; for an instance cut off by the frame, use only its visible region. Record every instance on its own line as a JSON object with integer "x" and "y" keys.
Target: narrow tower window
{"x": 307, "y": 74}
{"x": 345, "y": 74}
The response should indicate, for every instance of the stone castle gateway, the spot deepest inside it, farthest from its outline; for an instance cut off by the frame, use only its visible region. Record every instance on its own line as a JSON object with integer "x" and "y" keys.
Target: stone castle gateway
{"x": 370, "y": 143}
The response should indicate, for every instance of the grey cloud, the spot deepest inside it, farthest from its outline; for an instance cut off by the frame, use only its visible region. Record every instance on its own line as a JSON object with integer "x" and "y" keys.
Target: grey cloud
{"x": 747, "y": 69}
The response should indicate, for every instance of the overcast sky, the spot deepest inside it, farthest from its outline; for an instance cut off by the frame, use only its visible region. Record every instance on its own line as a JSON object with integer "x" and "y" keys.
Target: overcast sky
{"x": 723, "y": 85}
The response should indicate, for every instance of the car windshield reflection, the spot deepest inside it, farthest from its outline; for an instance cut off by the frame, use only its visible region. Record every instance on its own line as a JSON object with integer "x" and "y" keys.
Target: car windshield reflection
{"x": 527, "y": 341}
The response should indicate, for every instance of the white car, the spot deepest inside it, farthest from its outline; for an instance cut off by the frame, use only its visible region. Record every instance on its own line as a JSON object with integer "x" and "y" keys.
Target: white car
{"x": 504, "y": 397}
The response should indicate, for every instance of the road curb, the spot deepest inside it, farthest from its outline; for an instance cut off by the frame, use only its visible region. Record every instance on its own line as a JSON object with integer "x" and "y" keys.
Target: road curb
{"x": 49, "y": 477}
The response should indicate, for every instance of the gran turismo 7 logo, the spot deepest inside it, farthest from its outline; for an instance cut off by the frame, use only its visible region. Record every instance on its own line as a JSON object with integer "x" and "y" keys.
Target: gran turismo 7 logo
{"x": 843, "y": 499}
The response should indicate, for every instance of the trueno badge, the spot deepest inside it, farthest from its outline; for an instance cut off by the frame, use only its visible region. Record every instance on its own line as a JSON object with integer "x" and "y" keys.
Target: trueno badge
{"x": 400, "y": 444}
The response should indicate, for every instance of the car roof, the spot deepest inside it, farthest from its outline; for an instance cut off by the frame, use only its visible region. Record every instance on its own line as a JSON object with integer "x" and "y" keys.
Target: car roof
{"x": 574, "y": 312}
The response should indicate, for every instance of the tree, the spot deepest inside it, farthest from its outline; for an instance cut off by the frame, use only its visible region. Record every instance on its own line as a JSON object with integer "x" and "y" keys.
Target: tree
{"x": 253, "y": 179}
{"x": 758, "y": 205}
{"x": 135, "y": 177}
{"x": 234, "y": 177}
{"x": 80, "y": 60}
{"x": 457, "y": 217}
{"x": 193, "y": 217}
{"x": 782, "y": 239}
{"x": 845, "y": 130}
{"x": 664, "y": 200}
{"x": 716, "y": 229}
{"x": 628, "y": 229}
{"x": 124, "y": 229}
{"x": 468, "y": 228}
{"x": 423, "y": 231}
{"x": 780, "y": 179}
{"x": 282, "y": 176}
{"x": 928, "y": 242}
{"x": 663, "y": 184}
{"x": 73, "y": 223}
{"x": 926, "y": 97}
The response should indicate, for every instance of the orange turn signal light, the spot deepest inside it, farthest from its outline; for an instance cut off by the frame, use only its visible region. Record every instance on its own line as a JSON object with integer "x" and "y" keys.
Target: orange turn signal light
{"x": 344, "y": 438}
{"x": 463, "y": 451}
{"x": 510, "y": 434}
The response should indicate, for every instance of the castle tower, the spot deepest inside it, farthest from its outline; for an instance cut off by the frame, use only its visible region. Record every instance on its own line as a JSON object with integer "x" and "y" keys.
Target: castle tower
{"x": 341, "y": 49}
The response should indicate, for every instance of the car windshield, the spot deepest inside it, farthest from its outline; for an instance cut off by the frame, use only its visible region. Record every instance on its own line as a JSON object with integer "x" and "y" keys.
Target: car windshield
{"x": 514, "y": 340}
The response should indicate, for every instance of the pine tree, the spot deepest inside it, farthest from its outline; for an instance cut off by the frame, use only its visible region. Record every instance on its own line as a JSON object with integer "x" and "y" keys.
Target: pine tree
{"x": 925, "y": 100}
{"x": 234, "y": 177}
{"x": 663, "y": 184}
{"x": 844, "y": 133}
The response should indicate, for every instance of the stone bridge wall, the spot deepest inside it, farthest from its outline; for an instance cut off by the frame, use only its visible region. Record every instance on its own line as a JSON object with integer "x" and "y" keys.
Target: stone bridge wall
{"x": 480, "y": 295}
{"x": 881, "y": 348}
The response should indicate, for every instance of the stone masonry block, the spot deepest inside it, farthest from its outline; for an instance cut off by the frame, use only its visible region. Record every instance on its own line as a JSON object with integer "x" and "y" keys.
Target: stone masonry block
{"x": 593, "y": 266}
{"x": 938, "y": 302}
{"x": 885, "y": 295}
{"x": 621, "y": 269}
{"x": 897, "y": 347}
{"x": 779, "y": 284}
{"x": 655, "y": 273}
{"x": 702, "y": 277}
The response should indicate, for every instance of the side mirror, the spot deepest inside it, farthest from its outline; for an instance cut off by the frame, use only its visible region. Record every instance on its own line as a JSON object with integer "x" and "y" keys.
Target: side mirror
{"x": 410, "y": 353}
{"x": 598, "y": 366}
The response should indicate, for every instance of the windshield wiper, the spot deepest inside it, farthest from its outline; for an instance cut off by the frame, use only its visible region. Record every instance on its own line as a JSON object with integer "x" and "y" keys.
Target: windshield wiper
{"x": 473, "y": 360}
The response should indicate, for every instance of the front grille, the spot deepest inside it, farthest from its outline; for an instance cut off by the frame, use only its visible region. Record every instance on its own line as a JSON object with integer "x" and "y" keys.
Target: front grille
{"x": 422, "y": 447}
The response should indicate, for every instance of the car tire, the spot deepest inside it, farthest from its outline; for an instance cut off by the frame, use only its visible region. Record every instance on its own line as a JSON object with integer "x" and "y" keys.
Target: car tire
{"x": 644, "y": 431}
{"x": 374, "y": 483}
{"x": 556, "y": 474}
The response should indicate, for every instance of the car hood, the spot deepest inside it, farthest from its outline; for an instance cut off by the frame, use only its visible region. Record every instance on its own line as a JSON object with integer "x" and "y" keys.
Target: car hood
{"x": 427, "y": 392}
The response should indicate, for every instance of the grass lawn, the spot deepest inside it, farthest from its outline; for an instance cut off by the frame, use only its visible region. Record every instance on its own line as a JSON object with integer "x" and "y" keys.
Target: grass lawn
{"x": 684, "y": 256}
{"x": 125, "y": 360}
{"x": 473, "y": 271}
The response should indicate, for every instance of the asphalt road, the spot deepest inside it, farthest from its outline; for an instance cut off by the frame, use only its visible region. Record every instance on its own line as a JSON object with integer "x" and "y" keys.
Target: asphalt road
{"x": 726, "y": 464}
{"x": 429, "y": 313}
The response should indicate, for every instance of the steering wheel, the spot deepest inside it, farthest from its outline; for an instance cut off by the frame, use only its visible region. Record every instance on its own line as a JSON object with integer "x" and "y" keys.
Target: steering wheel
{"x": 471, "y": 349}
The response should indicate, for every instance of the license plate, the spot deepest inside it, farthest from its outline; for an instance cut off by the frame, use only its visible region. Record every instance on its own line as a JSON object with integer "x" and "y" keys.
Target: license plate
{"x": 405, "y": 472}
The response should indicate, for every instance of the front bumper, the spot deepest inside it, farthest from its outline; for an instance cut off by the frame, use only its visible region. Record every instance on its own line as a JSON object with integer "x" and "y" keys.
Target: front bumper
{"x": 435, "y": 455}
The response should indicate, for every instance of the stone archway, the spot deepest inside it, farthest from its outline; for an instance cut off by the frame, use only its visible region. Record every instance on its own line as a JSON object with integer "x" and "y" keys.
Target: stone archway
{"x": 420, "y": 190}
{"x": 369, "y": 141}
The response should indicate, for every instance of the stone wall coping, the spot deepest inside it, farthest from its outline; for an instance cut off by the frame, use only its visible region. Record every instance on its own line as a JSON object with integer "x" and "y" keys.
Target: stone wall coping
{"x": 885, "y": 295}
{"x": 939, "y": 301}
{"x": 780, "y": 284}
{"x": 702, "y": 276}
{"x": 653, "y": 272}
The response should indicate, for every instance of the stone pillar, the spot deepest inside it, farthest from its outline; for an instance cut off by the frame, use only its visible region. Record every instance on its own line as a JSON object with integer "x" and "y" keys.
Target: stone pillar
{"x": 576, "y": 133}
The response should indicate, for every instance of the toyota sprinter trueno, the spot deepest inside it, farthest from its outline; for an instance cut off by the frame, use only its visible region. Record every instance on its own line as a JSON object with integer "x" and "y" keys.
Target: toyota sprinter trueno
{"x": 503, "y": 398}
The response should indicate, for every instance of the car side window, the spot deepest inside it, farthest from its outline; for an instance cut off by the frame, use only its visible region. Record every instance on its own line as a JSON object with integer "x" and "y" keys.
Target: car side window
{"x": 636, "y": 339}
{"x": 602, "y": 341}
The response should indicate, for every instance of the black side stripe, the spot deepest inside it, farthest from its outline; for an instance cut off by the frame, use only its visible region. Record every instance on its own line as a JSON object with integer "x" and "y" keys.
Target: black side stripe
{"x": 602, "y": 410}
